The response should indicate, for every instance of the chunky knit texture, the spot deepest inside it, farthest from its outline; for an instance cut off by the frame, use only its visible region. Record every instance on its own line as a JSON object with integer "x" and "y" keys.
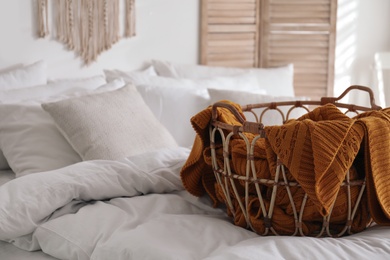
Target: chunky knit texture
{"x": 318, "y": 149}
{"x": 377, "y": 163}
{"x": 197, "y": 176}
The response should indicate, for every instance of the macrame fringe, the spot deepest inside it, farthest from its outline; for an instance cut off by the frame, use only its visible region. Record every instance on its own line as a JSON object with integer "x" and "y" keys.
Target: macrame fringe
{"x": 87, "y": 27}
{"x": 130, "y": 18}
{"x": 42, "y": 18}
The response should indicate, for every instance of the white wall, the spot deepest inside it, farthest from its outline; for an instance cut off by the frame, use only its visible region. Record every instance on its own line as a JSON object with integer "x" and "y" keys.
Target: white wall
{"x": 362, "y": 30}
{"x": 169, "y": 29}
{"x": 166, "y": 29}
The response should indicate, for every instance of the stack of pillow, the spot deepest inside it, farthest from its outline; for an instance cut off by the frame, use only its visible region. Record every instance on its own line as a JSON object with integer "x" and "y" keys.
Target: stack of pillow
{"x": 48, "y": 124}
{"x": 175, "y": 92}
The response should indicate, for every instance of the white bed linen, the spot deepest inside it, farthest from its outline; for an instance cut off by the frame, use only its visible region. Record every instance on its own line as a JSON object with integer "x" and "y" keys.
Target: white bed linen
{"x": 6, "y": 176}
{"x": 9, "y": 251}
{"x": 136, "y": 208}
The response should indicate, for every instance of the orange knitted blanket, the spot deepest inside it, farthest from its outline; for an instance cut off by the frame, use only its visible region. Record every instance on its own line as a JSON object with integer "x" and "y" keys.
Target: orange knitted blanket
{"x": 317, "y": 149}
{"x": 197, "y": 175}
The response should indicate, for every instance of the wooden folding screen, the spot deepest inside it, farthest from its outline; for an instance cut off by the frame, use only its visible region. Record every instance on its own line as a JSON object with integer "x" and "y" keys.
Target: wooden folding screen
{"x": 270, "y": 33}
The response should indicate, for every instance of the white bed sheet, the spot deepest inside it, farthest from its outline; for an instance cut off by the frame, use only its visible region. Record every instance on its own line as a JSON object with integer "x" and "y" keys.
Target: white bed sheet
{"x": 9, "y": 251}
{"x": 6, "y": 176}
{"x": 113, "y": 212}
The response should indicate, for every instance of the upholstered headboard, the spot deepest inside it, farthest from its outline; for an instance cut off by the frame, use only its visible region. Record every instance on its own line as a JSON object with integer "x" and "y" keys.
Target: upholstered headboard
{"x": 271, "y": 33}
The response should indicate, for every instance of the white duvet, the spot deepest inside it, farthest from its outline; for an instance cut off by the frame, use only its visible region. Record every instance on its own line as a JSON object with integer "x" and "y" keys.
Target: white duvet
{"x": 136, "y": 208}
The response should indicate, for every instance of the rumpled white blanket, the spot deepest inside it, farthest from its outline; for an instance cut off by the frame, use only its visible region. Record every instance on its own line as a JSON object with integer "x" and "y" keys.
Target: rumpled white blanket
{"x": 107, "y": 209}
{"x": 136, "y": 208}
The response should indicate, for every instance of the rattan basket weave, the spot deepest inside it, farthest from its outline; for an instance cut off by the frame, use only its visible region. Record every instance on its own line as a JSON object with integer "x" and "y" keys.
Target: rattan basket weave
{"x": 233, "y": 185}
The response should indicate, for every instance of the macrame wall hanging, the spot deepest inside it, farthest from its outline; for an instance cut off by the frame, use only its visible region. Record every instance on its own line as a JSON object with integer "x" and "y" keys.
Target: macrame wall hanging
{"x": 87, "y": 27}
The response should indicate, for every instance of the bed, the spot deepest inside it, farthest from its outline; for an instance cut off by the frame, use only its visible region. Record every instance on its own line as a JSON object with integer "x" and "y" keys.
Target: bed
{"x": 96, "y": 168}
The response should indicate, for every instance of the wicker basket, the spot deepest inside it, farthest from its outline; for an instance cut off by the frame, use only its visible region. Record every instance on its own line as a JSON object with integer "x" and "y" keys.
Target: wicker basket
{"x": 237, "y": 190}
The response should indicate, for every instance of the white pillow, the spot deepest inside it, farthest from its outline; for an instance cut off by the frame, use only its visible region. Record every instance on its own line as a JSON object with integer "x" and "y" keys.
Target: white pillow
{"x": 115, "y": 73}
{"x": 26, "y": 76}
{"x": 30, "y": 139}
{"x": 271, "y": 117}
{"x": 19, "y": 76}
{"x": 174, "y": 101}
{"x": 12, "y": 67}
{"x": 78, "y": 92}
{"x": 245, "y": 81}
{"x": 42, "y": 91}
{"x": 174, "y": 106}
{"x": 110, "y": 125}
{"x": 65, "y": 86}
{"x": 274, "y": 80}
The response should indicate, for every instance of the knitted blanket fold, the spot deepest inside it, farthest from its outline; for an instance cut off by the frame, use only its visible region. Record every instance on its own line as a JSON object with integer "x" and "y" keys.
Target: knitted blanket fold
{"x": 318, "y": 149}
{"x": 197, "y": 175}
{"x": 376, "y": 143}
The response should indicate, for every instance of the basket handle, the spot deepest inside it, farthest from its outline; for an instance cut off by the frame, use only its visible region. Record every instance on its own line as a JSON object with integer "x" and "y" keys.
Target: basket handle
{"x": 333, "y": 100}
{"x": 230, "y": 108}
{"x": 251, "y": 127}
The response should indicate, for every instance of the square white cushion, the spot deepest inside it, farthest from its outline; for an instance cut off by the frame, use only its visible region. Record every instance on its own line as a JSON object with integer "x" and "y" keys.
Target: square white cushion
{"x": 65, "y": 86}
{"x": 19, "y": 76}
{"x": 174, "y": 101}
{"x": 117, "y": 73}
{"x": 12, "y": 67}
{"x": 30, "y": 139}
{"x": 42, "y": 91}
{"x": 174, "y": 106}
{"x": 271, "y": 117}
{"x": 110, "y": 125}
{"x": 274, "y": 80}
{"x": 242, "y": 81}
{"x": 26, "y": 76}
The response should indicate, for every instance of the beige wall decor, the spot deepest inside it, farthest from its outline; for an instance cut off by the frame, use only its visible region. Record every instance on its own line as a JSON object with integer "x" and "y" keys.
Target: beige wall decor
{"x": 88, "y": 27}
{"x": 270, "y": 33}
